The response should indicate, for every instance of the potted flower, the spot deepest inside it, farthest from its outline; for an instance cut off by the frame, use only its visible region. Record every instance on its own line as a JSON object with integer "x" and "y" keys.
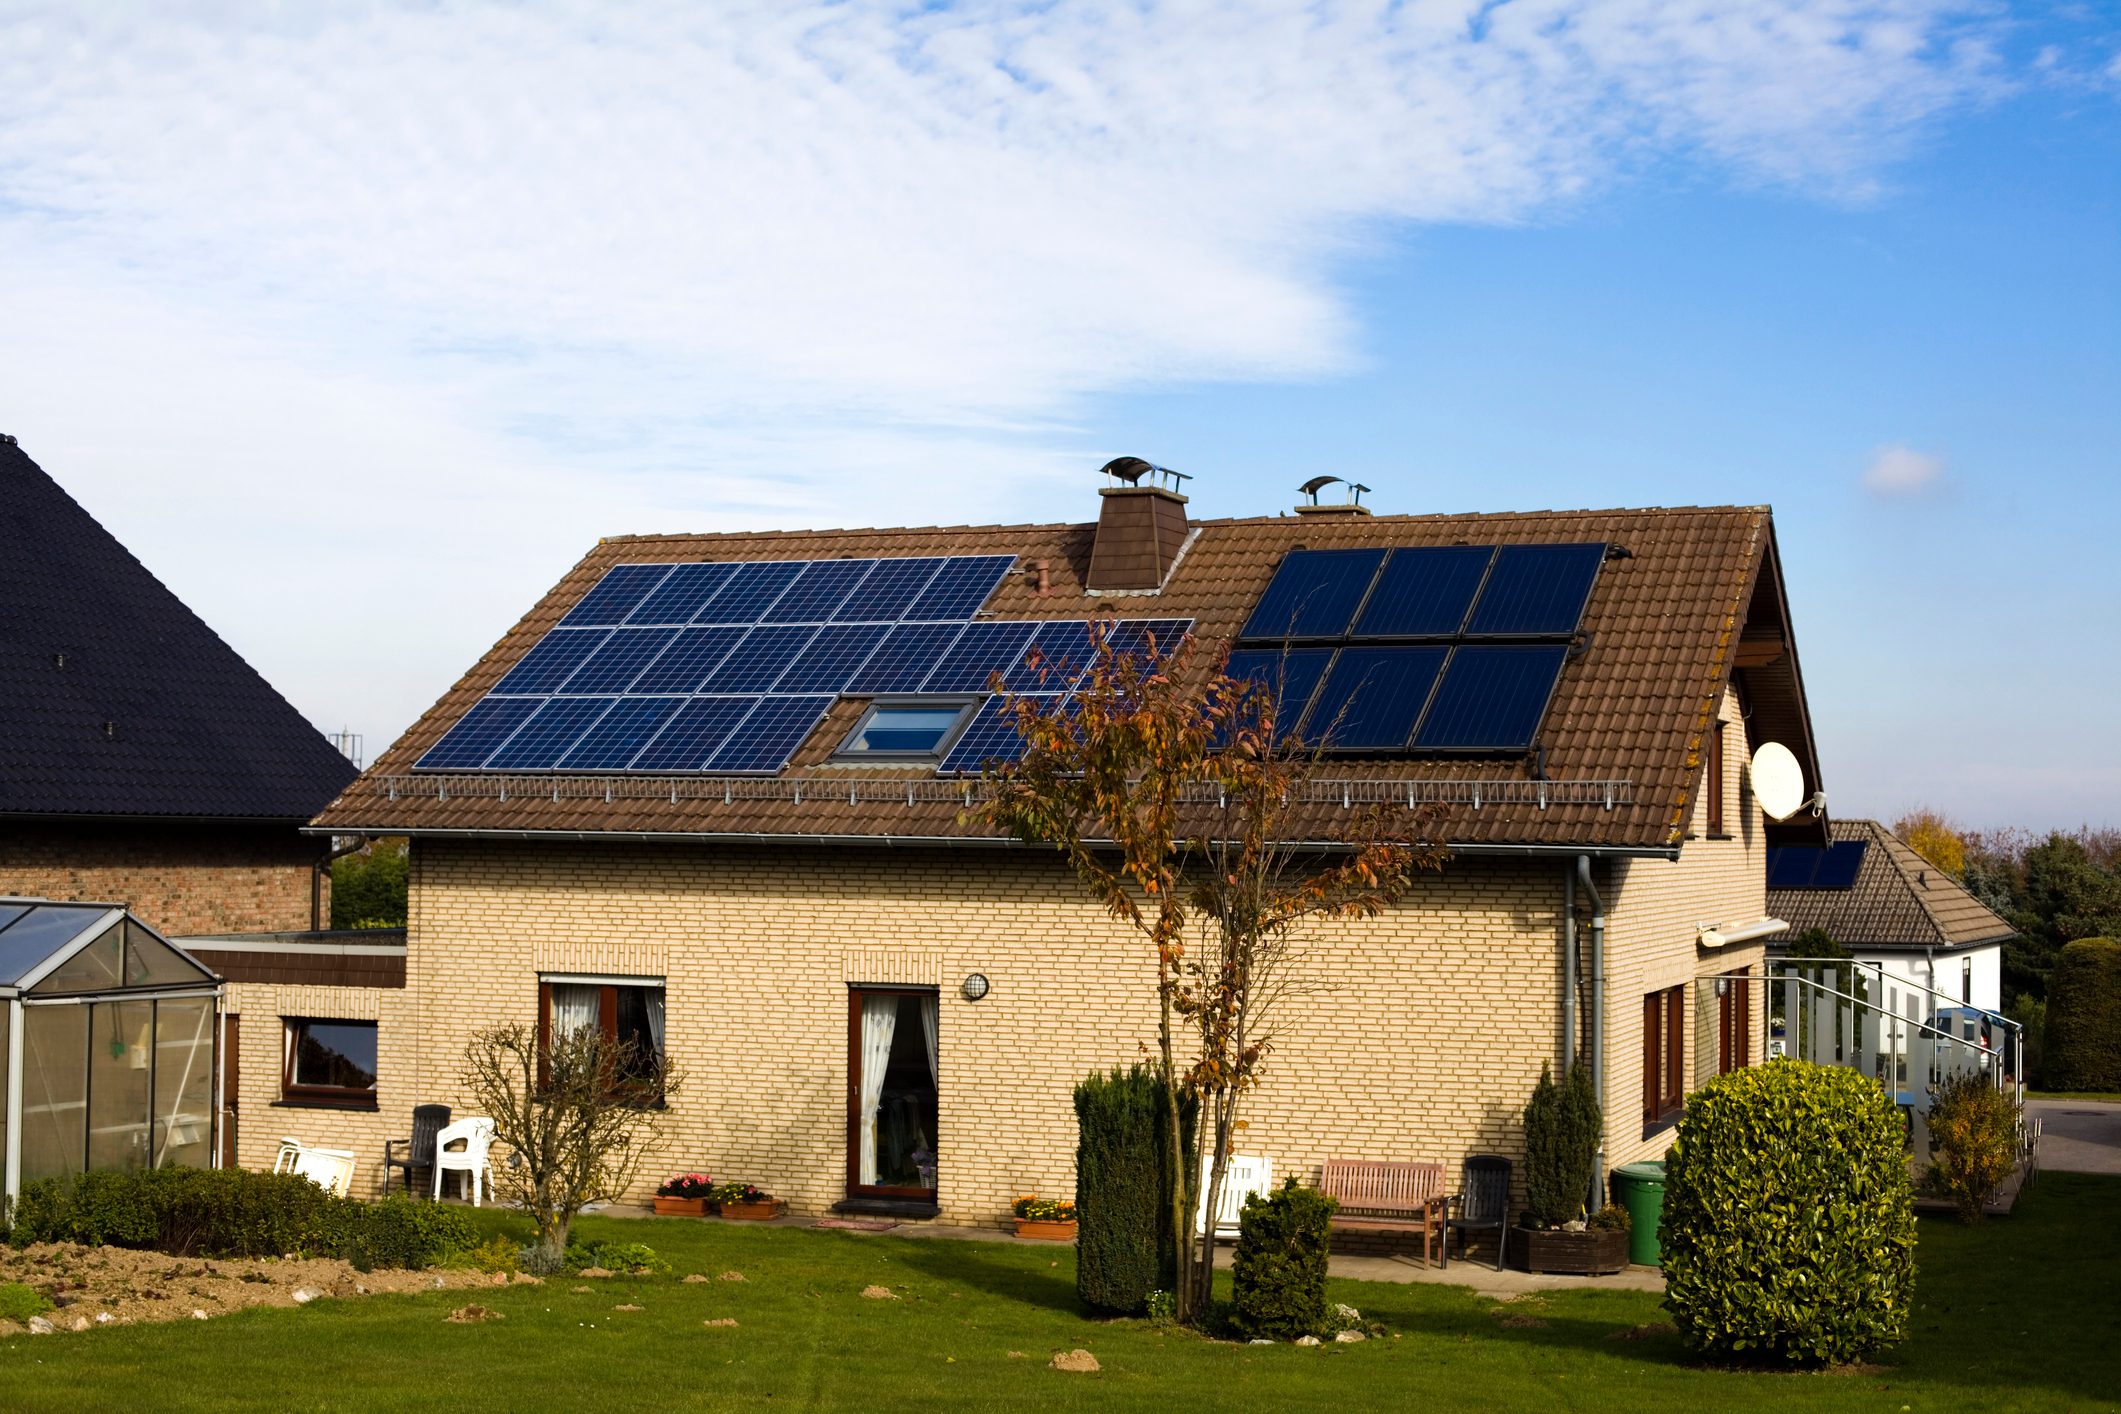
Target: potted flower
{"x": 1561, "y": 1128}
{"x": 683, "y": 1195}
{"x": 1045, "y": 1219}
{"x": 746, "y": 1202}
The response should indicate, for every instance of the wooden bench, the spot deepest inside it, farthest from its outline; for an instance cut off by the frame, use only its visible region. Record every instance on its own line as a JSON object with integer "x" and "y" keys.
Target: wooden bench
{"x": 1386, "y": 1197}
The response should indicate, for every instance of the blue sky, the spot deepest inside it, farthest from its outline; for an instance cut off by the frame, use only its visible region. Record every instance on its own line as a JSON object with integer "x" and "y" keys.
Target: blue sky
{"x": 360, "y": 325}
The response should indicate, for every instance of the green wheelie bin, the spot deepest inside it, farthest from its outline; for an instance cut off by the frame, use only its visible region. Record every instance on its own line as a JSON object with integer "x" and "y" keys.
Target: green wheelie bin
{"x": 1640, "y": 1189}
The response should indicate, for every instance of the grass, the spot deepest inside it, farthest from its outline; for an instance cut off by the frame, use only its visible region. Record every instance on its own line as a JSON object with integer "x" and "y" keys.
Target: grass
{"x": 2015, "y": 1314}
{"x": 2107, "y": 1097}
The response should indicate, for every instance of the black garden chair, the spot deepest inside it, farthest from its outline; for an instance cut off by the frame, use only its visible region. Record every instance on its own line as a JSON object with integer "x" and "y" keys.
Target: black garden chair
{"x": 1482, "y": 1202}
{"x": 427, "y": 1121}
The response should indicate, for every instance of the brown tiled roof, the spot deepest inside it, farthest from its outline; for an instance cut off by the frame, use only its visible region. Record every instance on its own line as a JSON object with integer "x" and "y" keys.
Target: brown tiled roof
{"x": 1626, "y": 720}
{"x": 1899, "y": 900}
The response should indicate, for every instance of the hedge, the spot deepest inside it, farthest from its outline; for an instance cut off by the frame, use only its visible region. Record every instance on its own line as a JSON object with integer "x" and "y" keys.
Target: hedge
{"x": 1278, "y": 1276}
{"x": 2081, "y": 1042}
{"x": 1788, "y": 1234}
{"x": 1123, "y": 1244}
{"x": 235, "y": 1213}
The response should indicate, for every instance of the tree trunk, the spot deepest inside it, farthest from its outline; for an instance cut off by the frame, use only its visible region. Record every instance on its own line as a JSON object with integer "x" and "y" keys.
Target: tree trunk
{"x": 1174, "y": 1145}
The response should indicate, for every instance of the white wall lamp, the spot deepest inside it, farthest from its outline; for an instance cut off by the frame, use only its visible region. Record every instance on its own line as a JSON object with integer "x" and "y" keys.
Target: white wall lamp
{"x": 974, "y": 986}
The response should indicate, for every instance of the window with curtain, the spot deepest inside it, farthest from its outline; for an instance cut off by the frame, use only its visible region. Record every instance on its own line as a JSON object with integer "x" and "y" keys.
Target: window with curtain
{"x": 894, "y": 1069}
{"x": 629, "y": 1012}
{"x": 1663, "y": 1058}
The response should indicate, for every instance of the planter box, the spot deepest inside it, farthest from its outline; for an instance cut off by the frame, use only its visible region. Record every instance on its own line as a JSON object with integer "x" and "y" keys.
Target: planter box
{"x": 1040, "y": 1231}
{"x": 680, "y": 1207}
{"x": 1592, "y": 1252}
{"x": 752, "y": 1212}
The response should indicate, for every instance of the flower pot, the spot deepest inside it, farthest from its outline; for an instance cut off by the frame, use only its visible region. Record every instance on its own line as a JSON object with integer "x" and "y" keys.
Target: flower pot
{"x": 1595, "y": 1251}
{"x": 1046, "y": 1230}
{"x": 764, "y": 1212}
{"x": 680, "y": 1207}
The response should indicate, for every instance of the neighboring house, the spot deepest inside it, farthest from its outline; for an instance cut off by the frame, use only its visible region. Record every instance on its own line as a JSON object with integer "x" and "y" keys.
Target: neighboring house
{"x": 710, "y": 793}
{"x": 141, "y": 759}
{"x": 1893, "y": 909}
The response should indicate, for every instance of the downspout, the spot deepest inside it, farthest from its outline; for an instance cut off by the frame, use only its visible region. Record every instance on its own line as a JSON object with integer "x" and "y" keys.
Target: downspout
{"x": 1568, "y": 970}
{"x": 316, "y": 881}
{"x": 1594, "y": 1028}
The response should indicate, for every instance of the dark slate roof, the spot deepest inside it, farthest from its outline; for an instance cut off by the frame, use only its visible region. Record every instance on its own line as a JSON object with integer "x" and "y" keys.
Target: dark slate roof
{"x": 115, "y": 699}
{"x": 1899, "y": 900}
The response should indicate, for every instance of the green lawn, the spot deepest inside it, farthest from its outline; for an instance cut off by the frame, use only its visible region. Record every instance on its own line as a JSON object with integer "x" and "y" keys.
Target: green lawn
{"x": 2017, "y": 1314}
{"x": 2104, "y": 1097}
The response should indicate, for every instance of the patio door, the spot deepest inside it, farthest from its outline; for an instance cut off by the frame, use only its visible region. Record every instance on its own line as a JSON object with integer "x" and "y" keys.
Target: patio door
{"x": 893, "y": 1094}
{"x": 1734, "y": 1021}
{"x": 231, "y": 1086}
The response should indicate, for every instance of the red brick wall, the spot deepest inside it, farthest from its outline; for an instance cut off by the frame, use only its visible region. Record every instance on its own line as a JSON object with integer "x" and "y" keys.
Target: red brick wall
{"x": 179, "y": 878}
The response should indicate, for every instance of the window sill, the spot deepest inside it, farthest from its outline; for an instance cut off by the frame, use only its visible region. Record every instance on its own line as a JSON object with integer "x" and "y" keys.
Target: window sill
{"x": 1654, "y": 1127}
{"x": 889, "y": 1207}
{"x": 308, "y": 1103}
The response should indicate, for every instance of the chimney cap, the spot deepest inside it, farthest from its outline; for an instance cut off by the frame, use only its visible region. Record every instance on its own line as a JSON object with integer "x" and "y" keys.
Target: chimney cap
{"x": 1317, "y": 484}
{"x": 1132, "y": 469}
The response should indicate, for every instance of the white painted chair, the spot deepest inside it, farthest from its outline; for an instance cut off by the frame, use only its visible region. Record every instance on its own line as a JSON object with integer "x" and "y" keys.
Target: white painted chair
{"x": 330, "y": 1169}
{"x": 1246, "y": 1175}
{"x": 462, "y": 1148}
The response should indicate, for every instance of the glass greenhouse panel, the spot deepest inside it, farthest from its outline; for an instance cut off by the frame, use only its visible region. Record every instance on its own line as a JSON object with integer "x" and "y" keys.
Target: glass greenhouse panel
{"x": 99, "y": 967}
{"x": 121, "y": 1061}
{"x": 150, "y": 962}
{"x": 54, "y": 1090}
{"x": 184, "y": 1083}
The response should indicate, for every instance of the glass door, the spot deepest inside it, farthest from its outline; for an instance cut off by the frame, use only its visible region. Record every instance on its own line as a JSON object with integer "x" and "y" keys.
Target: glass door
{"x": 893, "y": 1066}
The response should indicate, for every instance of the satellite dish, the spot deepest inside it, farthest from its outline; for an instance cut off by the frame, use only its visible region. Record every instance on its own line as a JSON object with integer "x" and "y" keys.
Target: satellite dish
{"x": 1778, "y": 781}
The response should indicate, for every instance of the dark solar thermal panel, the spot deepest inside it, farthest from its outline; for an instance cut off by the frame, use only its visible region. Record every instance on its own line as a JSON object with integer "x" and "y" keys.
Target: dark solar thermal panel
{"x": 478, "y": 733}
{"x": 1314, "y": 594}
{"x": 832, "y": 658}
{"x": 889, "y": 589}
{"x": 1839, "y": 864}
{"x": 613, "y": 667}
{"x": 620, "y": 733}
{"x": 1792, "y": 866}
{"x": 1372, "y": 698}
{"x": 749, "y": 593}
{"x": 1424, "y": 592}
{"x": 960, "y": 587}
{"x": 1537, "y": 589}
{"x": 616, "y": 595}
{"x": 694, "y": 734}
{"x": 766, "y": 739}
{"x": 1291, "y": 676}
{"x": 685, "y": 664}
{"x": 546, "y": 737}
{"x": 1492, "y": 697}
{"x": 903, "y": 661}
{"x": 982, "y": 650}
{"x": 818, "y": 592}
{"x": 551, "y": 660}
{"x": 763, "y": 656}
{"x": 1148, "y": 638}
{"x": 679, "y": 597}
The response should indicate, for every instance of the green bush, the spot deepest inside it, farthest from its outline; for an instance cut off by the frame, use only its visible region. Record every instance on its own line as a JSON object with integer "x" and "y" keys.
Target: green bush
{"x": 235, "y": 1213}
{"x": 615, "y": 1257}
{"x": 1561, "y": 1128}
{"x": 2030, "y": 1012}
{"x": 1973, "y": 1140}
{"x": 2081, "y": 1047}
{"x": 1788, "y": 1234}
{"x": 19, "y": 1302}
{"x": 1279, "y": 1276}
{"x": 1123, "y": 1248}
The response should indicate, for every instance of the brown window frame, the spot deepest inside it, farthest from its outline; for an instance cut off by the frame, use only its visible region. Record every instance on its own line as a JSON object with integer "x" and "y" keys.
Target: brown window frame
{"x": 1663, "y": 1058}
{"x": 335, "y": 1097}
{"x": 607, "y": 1023}
{"x": 1718, "y": 825}
{"x": 856, "y": 1190}
{"x": 1734, "y": 1022}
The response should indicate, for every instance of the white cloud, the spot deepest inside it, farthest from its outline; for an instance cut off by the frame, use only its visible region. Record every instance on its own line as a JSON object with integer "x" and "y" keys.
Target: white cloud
{"x": 414, "y": 299}
{"x": 1902, "y": 471}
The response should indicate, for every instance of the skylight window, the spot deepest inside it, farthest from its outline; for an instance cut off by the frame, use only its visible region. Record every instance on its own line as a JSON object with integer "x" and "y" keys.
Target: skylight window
{"x": 905, "y": 731}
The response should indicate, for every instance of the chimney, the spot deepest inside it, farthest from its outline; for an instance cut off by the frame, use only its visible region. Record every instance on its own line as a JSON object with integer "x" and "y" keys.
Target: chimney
{"x": 1140, "y": 529}
{"x": 1335, "y": 510}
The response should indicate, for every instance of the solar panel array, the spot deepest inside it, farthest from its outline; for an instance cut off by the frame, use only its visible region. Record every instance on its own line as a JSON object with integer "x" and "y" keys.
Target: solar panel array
{"x": 1832, "y": 866}
{"x": 1430, "y": 649}
{"x": 728, "y": 667}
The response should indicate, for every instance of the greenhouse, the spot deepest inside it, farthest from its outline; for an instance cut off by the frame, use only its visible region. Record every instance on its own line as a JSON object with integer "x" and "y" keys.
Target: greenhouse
{"x": 106, "y": 1044}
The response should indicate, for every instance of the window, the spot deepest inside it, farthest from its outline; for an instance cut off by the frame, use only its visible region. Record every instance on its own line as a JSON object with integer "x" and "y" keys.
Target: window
{"x": 906, "y": 731}
{"x": 1715, "y": 773}
{"x": 1663, "y": 1058}
{"x": 329, "y": 1063}
{"x": 893, "y": 1070}
{"x": 1734, "y": 1021}
{"x": 1966, "y": 981}
{"x": 628, "y": 1011}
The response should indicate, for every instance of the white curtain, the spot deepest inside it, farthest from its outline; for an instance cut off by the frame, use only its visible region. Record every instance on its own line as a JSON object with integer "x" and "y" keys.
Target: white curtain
{"x": 574, "y": 1008}
{"x": 879, "y": 1024}
{"x": 935, "y": 1071}
{"x": 655, "y": 1019}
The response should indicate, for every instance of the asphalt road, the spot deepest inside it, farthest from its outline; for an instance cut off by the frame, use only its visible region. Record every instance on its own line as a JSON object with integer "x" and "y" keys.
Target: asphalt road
{"x": 2078, "y": 1136}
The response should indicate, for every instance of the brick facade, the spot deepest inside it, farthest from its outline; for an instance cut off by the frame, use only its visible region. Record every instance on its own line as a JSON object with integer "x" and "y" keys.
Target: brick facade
{"x": 179, "y": 877}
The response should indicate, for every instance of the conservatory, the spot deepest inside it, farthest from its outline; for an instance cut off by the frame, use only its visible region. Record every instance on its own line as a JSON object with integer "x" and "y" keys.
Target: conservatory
{"x": 106, "y": 1044}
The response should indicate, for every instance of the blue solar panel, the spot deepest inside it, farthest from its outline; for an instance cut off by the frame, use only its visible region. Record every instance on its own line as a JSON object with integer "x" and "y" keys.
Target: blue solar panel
{"x": 1424, "y": 592}
{"x": 831, "y": 658}
{"x": 1292, "y": 676}
{"x": 1314, "y": 594}
{"x": 960, "y": 587}
{"x": 1063, "y": 651}
{"x": 749, "y": 593}
{"x": 614, "y": 596}
{"x": 982, "y": 650}
{"x": 694, "y": 734}
{"x": 889, "y": 590}
{"x": 763, "y": 656}
{"x": 903, "y": 661}
{"x": 679, "y": 597}
{"x": 769, "y": 736}
{"x": 817, "y": 592}
{"x": 545, "y": 738}
{"x": 1491, "y": 698}
{"x": 1372, "y": 698}
{"x": 466, "y": 745}
{"x": 990, "y": 736}
{"x": 613, "y": 667}
{"x": 620, "y": 733}
{"x": 1537, "y": 589}
{"x": 686, "y": 663}
{"x": 551, "y": 660}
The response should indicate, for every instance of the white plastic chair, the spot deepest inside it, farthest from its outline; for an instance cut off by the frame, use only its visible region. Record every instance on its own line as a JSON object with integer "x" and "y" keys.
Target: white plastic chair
{"x": 462, "y": 1148}
{"x": 1247, "y": 1174}
{"x": 330, "y": 1169}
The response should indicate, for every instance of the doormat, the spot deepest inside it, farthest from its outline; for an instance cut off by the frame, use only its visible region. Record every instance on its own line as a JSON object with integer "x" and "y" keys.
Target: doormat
{"x": 858, "y": 1224}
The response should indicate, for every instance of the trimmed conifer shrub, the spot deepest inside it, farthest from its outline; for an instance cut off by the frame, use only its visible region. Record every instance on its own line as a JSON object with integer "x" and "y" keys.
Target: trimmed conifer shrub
{"x": 1788, "y": 1234}
{"x": 1561, "y": 1129}
{"x": 2081, "y": 1042}
{"x": 1279, "y": 1274}
{"x": 1123, "y": 1248}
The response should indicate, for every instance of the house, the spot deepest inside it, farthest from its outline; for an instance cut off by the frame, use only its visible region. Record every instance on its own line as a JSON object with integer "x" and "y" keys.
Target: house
{"x": 1893, "y": 909}
{"x": 710, "y": 794}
